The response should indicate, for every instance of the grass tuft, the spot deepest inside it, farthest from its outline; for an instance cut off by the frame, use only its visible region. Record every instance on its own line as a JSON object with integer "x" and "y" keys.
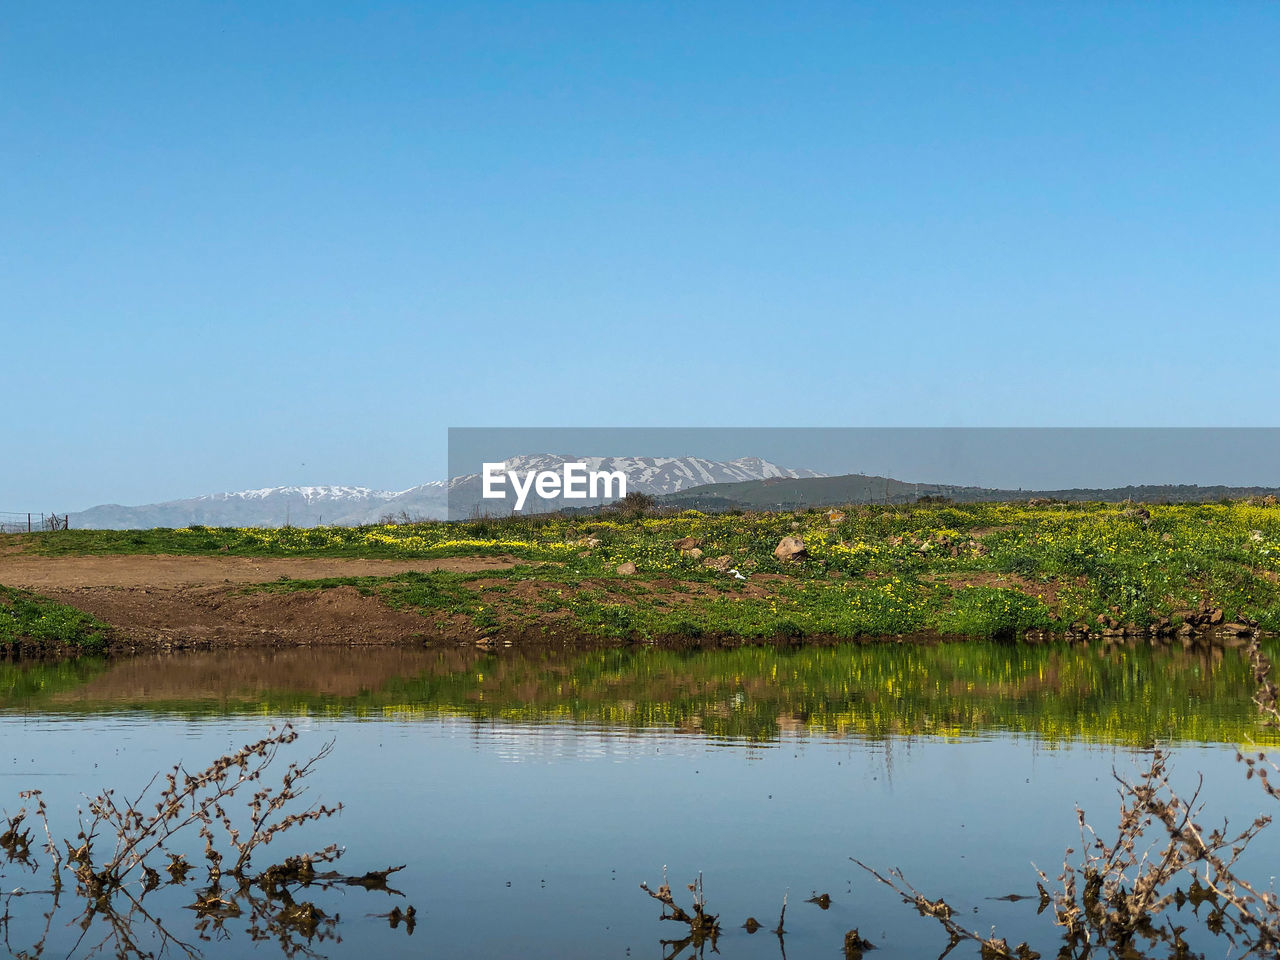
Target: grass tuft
{"x": 28, "y": 617}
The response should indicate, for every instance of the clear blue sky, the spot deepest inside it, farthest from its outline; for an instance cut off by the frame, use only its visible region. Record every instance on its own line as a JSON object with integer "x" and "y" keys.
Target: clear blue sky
{"x": 245, "y": 244}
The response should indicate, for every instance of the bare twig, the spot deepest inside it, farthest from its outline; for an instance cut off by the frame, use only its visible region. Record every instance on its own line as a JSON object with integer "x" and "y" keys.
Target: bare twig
{"x": 703, "y": 927}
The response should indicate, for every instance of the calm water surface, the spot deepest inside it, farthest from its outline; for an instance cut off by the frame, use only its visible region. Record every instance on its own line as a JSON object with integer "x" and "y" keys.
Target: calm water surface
{"x": 530, "y": 794}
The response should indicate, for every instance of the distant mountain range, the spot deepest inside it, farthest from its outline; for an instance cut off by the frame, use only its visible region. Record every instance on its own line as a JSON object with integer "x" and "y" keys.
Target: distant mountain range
{"x": 308, "y": 506}
{"x": 748, "y": 483}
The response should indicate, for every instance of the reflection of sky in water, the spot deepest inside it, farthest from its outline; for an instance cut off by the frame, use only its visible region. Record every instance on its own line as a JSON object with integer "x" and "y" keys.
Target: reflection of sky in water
{"x": 573, "y": 817}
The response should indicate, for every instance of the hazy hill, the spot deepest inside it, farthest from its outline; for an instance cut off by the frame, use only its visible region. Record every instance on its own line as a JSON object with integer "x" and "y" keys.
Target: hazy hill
{"x": 791, "y": 494}
{"x": 265, "y": 507}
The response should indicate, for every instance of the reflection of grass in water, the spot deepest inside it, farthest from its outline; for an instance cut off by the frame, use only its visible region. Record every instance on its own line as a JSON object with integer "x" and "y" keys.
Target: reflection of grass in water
{"x": 1059, "y": 692}
{"x": 33, "y": 682}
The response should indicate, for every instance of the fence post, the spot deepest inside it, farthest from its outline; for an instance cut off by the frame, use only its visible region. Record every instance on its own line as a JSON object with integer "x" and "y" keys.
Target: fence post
{"x": 28, "y": 523}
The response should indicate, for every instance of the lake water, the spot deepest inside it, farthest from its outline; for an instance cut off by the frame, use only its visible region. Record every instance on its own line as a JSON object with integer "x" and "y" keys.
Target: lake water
{"x": 530, "y": 794}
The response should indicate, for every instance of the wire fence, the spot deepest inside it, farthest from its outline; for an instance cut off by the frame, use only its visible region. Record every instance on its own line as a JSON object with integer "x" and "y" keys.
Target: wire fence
{"x": 11, "y": 522}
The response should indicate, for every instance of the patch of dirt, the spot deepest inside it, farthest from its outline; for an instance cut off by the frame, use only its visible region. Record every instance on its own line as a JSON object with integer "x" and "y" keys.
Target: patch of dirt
{"x": 42, "y": 573}
{"x": 1048, "y": 592}
{"x": 197, "y": 602}
{"x": 199, "y": 617}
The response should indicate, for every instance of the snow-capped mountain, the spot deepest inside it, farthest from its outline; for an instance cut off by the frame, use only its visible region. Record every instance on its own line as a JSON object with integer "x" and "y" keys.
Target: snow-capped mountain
{"x": 651, "y": 475}
{"x": 309, "y": 494}
{"x": 307, "y": 506}
{"x": 657, "y": 475}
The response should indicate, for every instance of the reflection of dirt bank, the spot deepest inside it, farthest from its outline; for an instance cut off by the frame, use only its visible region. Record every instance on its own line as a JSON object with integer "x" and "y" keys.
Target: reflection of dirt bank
{"x": 248, "y": 673}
